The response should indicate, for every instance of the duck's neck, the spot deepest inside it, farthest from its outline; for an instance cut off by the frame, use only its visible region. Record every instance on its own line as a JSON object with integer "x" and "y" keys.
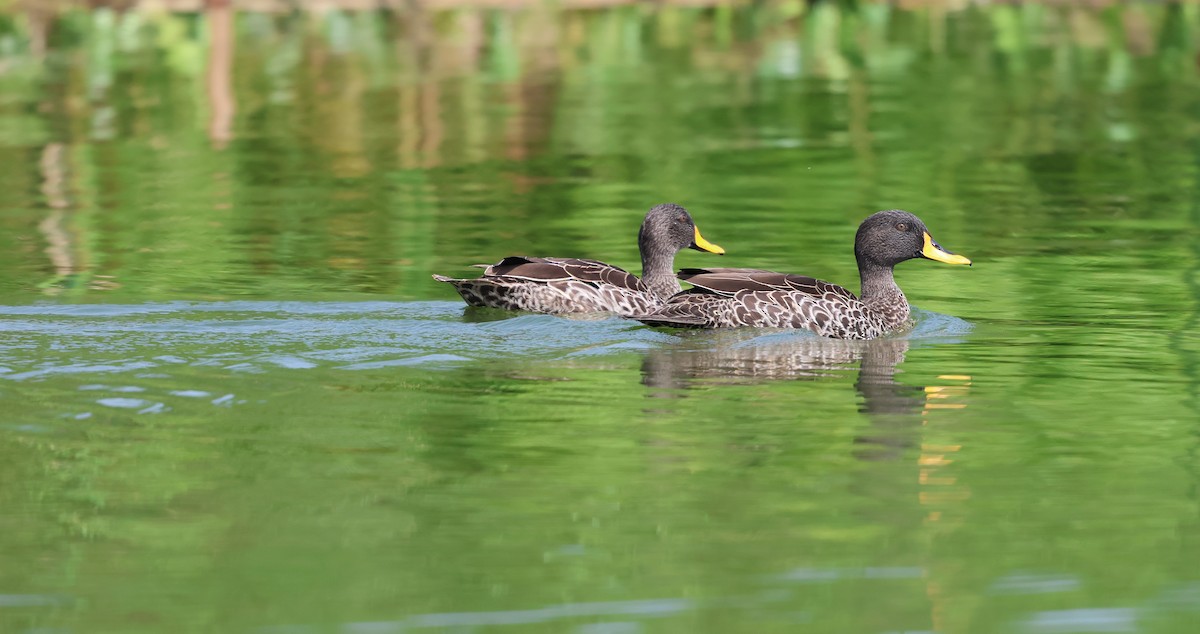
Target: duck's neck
{"x": 880, "y": 294}
{"x": 657, "y": 265}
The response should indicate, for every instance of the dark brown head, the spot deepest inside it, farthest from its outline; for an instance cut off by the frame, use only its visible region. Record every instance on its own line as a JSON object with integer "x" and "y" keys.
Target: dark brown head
{"x": 888, "y": 238}
{"x": 668, "y": 229}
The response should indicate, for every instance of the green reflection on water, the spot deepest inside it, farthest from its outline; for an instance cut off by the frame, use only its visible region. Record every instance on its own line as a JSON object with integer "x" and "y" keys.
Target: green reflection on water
{"x": 323, "y": 465}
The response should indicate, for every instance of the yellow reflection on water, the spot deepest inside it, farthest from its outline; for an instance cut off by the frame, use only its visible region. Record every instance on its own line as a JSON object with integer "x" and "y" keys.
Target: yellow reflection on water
{"x": 938, "y": 487}
{"x": 935, "y": 457}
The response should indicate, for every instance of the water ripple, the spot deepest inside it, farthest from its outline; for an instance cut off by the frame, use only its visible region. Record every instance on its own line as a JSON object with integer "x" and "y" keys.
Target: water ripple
{"x": 1079, "y": 621}
{"x": 645, "y": 608}
{"x": 244, "y": 337}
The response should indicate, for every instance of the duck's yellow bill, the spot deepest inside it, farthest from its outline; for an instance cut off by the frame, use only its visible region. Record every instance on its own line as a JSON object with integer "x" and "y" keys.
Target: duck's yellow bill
{"x": 934, "y": 251}
{"x": 700, "y": 244}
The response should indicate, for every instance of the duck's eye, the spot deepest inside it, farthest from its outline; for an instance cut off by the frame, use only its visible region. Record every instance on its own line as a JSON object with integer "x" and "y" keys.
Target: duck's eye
{"x": 682, "y": 219}
{"x": 901, "y": 226}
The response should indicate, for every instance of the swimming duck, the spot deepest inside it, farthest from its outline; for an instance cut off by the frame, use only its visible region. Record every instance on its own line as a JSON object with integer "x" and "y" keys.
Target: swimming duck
{"x": 750, "y": 297}
{"x": 570, "y": 285}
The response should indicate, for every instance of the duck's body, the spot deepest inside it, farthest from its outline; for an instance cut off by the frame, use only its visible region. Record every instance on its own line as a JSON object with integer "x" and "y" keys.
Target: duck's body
{"x": 725, "y": 298}
{"x": 561, "y": 286}
{"x": 557, "y": 286}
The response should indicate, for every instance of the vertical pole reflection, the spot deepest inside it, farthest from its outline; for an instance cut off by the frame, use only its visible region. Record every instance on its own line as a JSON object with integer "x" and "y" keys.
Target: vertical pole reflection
{"x": 420, "y": 127}
{"x": 58, "y": 240}
{"x": 38, "y": 18}
{"x": 219, "y": 77}
{"x": 66, "y": 241}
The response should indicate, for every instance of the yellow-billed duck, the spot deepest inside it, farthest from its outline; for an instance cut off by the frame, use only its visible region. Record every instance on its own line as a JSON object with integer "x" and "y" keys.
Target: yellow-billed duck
{"x": 749, "y": 297}
{"x": 570, "y": 285}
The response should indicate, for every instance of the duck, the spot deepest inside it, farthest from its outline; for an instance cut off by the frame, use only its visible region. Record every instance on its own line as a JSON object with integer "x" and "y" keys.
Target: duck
{"x": 724, "y": 298}
{"x": 560, "y": 286}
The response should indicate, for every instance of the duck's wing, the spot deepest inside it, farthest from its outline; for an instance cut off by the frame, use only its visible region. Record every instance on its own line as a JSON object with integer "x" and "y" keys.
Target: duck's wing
{"x": 729, "y": 282}
{"x": 546, "y": 270}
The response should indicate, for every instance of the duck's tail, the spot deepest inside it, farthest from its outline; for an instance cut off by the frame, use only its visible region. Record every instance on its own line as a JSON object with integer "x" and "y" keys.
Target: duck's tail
{"x": 476, "y": 292}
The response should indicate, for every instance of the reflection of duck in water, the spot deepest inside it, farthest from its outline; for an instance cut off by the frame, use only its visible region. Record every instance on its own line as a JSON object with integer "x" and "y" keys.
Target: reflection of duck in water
{"x": 749, "y": 297}
{"x": 570, "y": 285}
{"x": 896, "y": 410}
{"x": 739, "y": 356}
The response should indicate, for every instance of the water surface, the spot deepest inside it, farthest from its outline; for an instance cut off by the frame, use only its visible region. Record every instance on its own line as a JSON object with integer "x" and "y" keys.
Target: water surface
{"x": 234, "y": 400}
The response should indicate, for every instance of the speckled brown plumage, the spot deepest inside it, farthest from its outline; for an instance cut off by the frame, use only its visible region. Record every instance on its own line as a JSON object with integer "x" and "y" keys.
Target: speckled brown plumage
{"x": 571, "y": 285}
{"x": 556, "y": 286}
{"x": 750, "y": 297}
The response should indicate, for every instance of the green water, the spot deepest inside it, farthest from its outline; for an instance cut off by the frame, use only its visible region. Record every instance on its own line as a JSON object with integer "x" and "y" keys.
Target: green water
{"x": 234, "y": 400}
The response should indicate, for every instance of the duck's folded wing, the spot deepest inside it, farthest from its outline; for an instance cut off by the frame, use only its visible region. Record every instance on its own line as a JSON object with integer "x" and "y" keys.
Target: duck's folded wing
{"x": 729, "y": 282}
{"x": 691, "y": 308}
{"x": 537, "y": 269}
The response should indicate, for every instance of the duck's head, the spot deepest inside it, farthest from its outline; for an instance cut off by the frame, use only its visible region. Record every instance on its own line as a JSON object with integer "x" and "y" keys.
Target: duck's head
{"x": 668, "y": 228}
{"x": 888, "y": 238}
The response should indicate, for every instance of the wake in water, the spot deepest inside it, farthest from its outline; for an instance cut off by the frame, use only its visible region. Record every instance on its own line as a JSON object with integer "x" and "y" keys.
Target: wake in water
{"x": 251, "y": 337}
